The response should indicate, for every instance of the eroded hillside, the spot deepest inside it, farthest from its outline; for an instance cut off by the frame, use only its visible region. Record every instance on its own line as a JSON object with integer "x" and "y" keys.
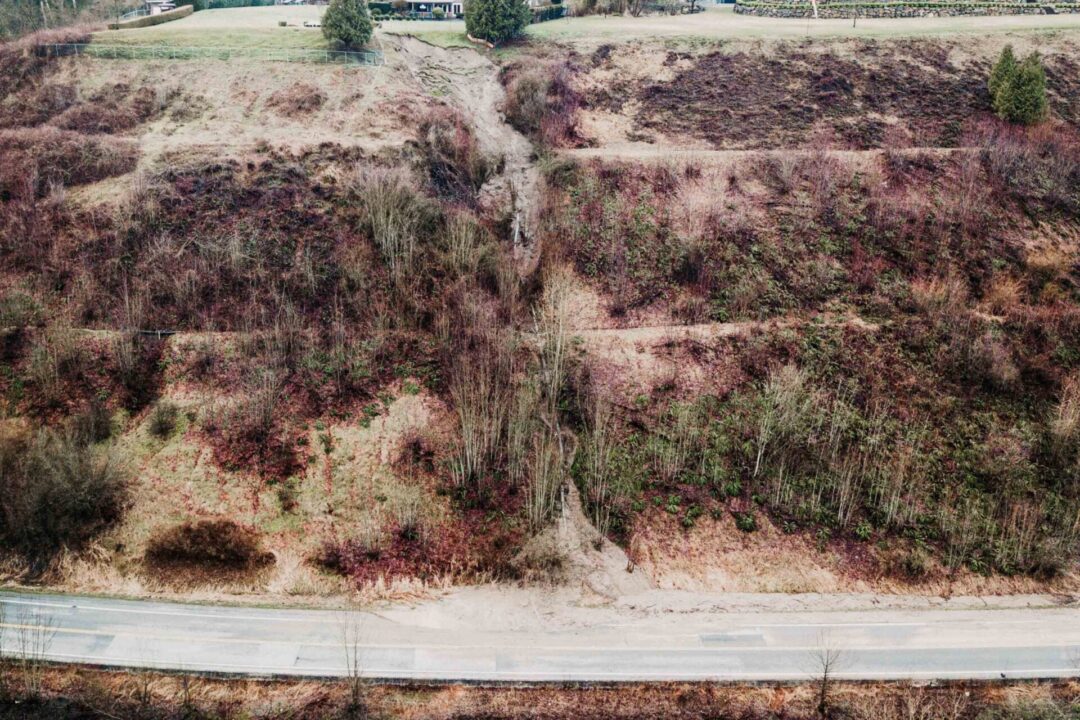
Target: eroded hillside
{"x": 791, "y": 317}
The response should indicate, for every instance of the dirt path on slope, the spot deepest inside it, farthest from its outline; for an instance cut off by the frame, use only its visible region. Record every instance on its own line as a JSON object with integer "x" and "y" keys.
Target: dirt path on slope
{"x": 647, "y": 152}
{"x": 469, "y": 82}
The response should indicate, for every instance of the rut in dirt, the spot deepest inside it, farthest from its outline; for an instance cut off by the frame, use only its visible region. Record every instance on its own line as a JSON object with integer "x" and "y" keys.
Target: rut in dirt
{"x": 469, "y": 82}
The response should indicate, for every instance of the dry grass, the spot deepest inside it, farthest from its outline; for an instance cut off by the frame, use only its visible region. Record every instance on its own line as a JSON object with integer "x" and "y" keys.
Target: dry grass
{"x": 41, "y": 158}
{"x": 299, "y": 100}
{"x": 1065, "y": 422}
{"x": 145, "y": 695}
{"x": 1004, "y": 294}
{"x": 940, "y": 296}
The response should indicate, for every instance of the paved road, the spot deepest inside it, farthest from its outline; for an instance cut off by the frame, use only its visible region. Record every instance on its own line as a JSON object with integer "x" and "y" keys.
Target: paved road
{"x": 920, "y": 644}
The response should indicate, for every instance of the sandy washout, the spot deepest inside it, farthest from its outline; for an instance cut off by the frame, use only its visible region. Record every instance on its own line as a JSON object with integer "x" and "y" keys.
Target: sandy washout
{"x": 469, "y": 81}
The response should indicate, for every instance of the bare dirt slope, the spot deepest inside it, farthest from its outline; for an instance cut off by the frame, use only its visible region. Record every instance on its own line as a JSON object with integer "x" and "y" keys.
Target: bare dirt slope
{"x": 470, "y": 82}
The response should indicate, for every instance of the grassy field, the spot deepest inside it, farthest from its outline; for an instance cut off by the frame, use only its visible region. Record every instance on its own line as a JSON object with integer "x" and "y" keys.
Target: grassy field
{"x": 259, "y": 28}
{"x": 255, "y": 27}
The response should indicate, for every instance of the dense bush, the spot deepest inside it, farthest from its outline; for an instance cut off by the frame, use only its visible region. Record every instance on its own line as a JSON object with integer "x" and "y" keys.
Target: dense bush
{"x": 40, "y": 157}
{"x": 497, "y": 21}
{"x": 967, "y": 457}
{"x": 551, "y": 12}
{"x": 1002, "y": 72}
{"x": 347, "y": 22}
{"x": 92, "y": 425}
{"x": 58, "y": 491}
{"x": 1040, "y": 166}
{"x": 252, "y": 434}
{"x": 541, "y": 101}
{"x": 1018, "y": 90}
{"x": 209, "y": 544}
{"x": 224, "y": 4}
{"x": 455, "y": 164}
{"x": 163, "y": 419}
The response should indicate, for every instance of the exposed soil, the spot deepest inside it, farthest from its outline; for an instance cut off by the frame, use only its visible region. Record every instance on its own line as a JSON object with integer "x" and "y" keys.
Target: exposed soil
{"x": 470, "y": 82}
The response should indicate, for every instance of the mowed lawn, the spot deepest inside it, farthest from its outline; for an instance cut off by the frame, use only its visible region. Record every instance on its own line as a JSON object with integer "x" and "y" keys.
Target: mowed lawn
{"x": 252, "y": 27}
{"x": 258, "y": 27}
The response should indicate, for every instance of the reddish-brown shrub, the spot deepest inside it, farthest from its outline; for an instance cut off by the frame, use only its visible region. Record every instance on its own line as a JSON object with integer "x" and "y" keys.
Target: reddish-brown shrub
{"x": 33, "y": 159}
{"x": 297, "y": 99}
{"x": 113, "y": 109}
{"x": 24, "y": 60}
{"x": 221, "y": 544}
{"x": 34, "y": 107}
{"x": 541, "y": 101}
{"x": 251, "y": 435}
{"x": 1039, "y": 165}
{"x": 456, "y": 165}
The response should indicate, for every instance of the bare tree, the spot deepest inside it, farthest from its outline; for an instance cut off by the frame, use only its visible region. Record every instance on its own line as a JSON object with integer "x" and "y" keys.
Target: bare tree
{"x": 3, "y": 660}
{"x": 187, "y": 702}
{"x": 826, "y": 662}
{"x": 33, "y": 638}
{"x": 598, "y": 450}
{"x": 352, "y": 639}
{"x": 143, "y": 677}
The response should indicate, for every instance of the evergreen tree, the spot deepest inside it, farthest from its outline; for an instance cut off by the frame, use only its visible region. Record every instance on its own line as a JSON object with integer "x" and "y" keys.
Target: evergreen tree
{"x": 347, "y": 22}
{"x": 496, "y": 20}
{"x": 1003, "y": 69}
{"x": 1021, "y": 95}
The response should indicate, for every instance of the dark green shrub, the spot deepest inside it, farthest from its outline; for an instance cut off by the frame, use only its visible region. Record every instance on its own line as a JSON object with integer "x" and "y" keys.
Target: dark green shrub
{"x": 746, "y": 521}
{"x": 163, "y": 419}
{"x": 19, "y": 310}
{"x": 216, "y": 543}
{"x": 58, "y": 492}
{"x": 916, "y": 564}
{"x": 347, "y": 22}
{"x": 93, "y": 425}
{"x": 225, "y": 4}
{"x": 456, "y": 165}
{"x": 1018, "y": 91}
{"x": 552, "y": 12}
{"x": 497, "y": 21}
{"x": 1004, "y": 69}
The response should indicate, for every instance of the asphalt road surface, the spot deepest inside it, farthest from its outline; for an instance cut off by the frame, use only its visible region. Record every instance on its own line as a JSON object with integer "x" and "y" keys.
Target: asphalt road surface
{"x": 893, "y": 644}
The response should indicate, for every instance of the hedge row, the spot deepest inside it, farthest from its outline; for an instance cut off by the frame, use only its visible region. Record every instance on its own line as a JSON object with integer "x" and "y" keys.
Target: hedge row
{"x": 227, "y": 4}
{"x": 149, "y": 20}
{"x": 550, "y": 12}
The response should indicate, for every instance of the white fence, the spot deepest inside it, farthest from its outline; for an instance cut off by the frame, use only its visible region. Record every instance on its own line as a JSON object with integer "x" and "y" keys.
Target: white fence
{"x": 141, "y": 12}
